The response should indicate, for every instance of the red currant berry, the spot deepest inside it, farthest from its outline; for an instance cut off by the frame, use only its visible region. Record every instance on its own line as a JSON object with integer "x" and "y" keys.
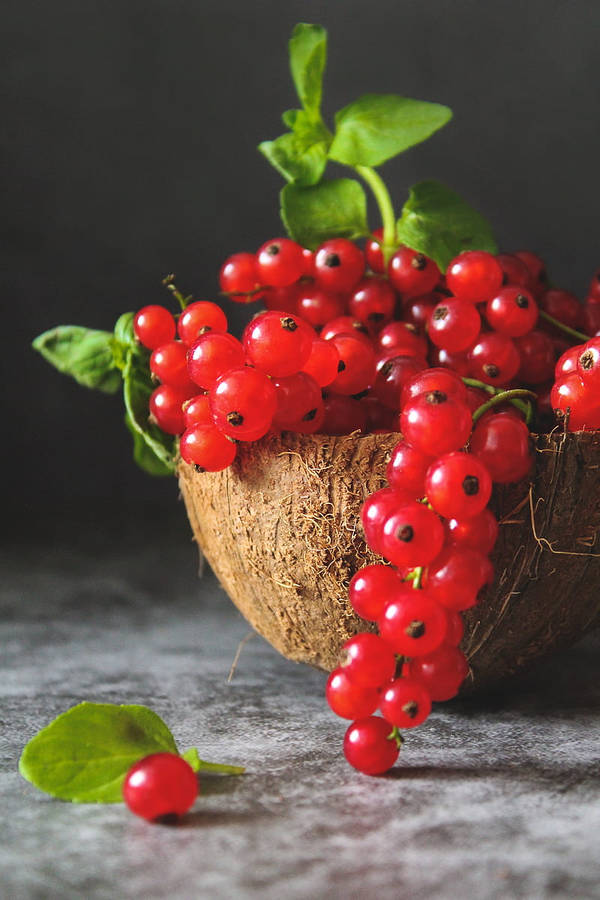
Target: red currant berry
{"x": 322, "y": 364}
{"x": 406, "y": 470}
{"x": 207, "y": 448}
{"x": 375, "y": 510}
{"x": 537, "y": 271}
{"x": 513, "y": 311}
{"x": 298, "y": 400}
{"x": 392, "y": 376}
{"x": 211, "y": 356}
{"x": 475, "y": 276}
{"x": 345, "y": 325}
{"x": 243, "y": 403}
{"x": 161, "y": 786}
{"x": 285, "y": 299}
{"x": 591, "y": 317}
{"x": 374, "y": 253}
{"x": 380, "y": 418}
{"x": 588, "y": 364}
{"x": 349, "y": 700}
{"x": 563, "y": 306}
{"x": 456, "y": 627}
{"x": 166, "y": 405}
{"x": 168, "y": 363}
{"x": 318, "y": 307}
{"x": 536, "y": 352}
{"x": 435, "y": 423}
{"x": 343, "y": 415}
{"x": 356, "y": 366}
{"x": 367, "y": 660}
{"x": 412, "y": 273}
{"x": 413, "y": 624}
{"x": 309, "y": 262}
{"x": 571, "y": 397}
{"x": 458, "y": 485}
{"x": 594, "y": 288}
{"x": 370, "y": 747}
{"x": 417, "y": 310}
{"x": 239, "y": 279}
{"x": 403, "y": 339}
{"x": 153, "y": 326}
{"x": 198, "y": 318}
{"x": 454, "y": 325}
{"x": 278, "y": 344}
{"x": 373, "y": 302}
{"x": 457, "y": 362}
{"x": 441, "y": 673}
{"x": 371, "y": 588}
{"x": 479, "y": 532}
{"x": 280, "y": 262}
{"x": 339, "y": 265}
{"x": 501, "y": 442}
{"x": 494, "y": 359}
{"x": 411, "y": 535}
{"x": 457, "y": 575}
{"x": 405, "y": 703}
{"x": 514, "y": 270}
{"x": 196, "y": 411}
{"x": 436, "y": 379}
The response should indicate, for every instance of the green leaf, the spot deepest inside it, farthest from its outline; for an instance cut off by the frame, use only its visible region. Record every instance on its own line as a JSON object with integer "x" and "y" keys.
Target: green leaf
{"x": 308, "y": 55}
{"x": 200, "y": 765}
{"x": 377, "y": 127}
{"x": 137, "y": 388}
{"x": 124, "y": 332}
{"x": 437, "y": 222}
{"x": 301, "y": 156}
{"x": 144, "y": 456}
{"x": 85, "y": 753}
{"x": 86, "y": 355}
{"x": 330, "y": 209}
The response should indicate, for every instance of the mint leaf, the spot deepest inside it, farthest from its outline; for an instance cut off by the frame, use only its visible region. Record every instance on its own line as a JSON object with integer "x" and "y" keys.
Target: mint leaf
{"x": 85, "y": 753}
{"x": 124, "y": 332}
{"x": 308, "y": 55}
{"x": 437, "y": 222}
{"x": 144, "y": 456}
{"x": 83, "y": 353}
{"x": 330, "y": 209}
{"x": 200, "y": 765}
{"x": 137, "y": 388}
{"x": 301, "y": 156}
{"x": 377, "y": 127}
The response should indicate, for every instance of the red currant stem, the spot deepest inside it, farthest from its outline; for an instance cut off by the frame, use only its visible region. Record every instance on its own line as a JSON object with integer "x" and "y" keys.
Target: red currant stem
{"x": 417, "y": 577}
{"x": 525, "y": 408}
{"x": 579, "y": 335}
{"x": 170, "y": 286}
{"x": 389, "y": 243}
{"x": 395, "y": 735}
{"x": 501, "y": 397}
{"x": 220, "y": 768}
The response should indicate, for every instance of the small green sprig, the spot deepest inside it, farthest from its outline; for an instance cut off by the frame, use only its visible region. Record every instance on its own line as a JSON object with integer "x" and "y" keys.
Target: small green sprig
{"x": 367, "y": 133}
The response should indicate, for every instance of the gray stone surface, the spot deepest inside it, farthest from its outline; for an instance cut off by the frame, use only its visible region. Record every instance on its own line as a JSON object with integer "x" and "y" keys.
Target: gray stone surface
{"x": 496, "y": 797}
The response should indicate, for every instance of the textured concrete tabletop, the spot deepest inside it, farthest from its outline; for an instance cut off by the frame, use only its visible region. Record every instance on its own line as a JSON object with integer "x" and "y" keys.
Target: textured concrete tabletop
{"x": 495, "y": 797}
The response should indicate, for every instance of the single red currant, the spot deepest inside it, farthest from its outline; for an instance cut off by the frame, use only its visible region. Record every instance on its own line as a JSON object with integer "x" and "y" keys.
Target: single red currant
{"x": 372, "y": 302}
{"x": 571, "y": 397}
{"x": 406, "y": 470}
{"x": 514, "y": 270}
{"x": 435, "y": 423}
{"x": 284, "y": 299}
{"x": 239, "y": 279}
{"x": 345, "y": 325}
{"x": 413, "y": 624}
{"x": 367, "y": 660}
{"x": 371, "y": 588}
{"x": 441, "y": 673}
{"x": 513, "y": 311}
{"x": 212, "y": 355}
{"x": 168, "y": 363}
{"x": 343, "y": 415}
{"x": 196, "y": 411}
{"x": 374, "y": 253}
{"x": 278, "y": 344}
{"x": 317, "y": 306}
{"x": 370, "y": 747}
{"x": 458, "y": 485}
{"x": 349, "y": 700}
{"x": 457, "y": 575}
{"x": 457, "y": 362}
{"x": 161, "y": 786}
{"x": 405, "y": 703}
{"x": 494, "y": 359}
{"x": 356, "y": 366}
{"x": 298, "y": 399}
{"x": 339, "y": 265}
{"x": 374, "y": 512}
{"x": 417, "y": 310}
{"x": 454, "y": 325}
{"x": 403, "y": 339}
{"x": 536, "y": 352}
{"x": 411, "y": 535}
{"x": 437, "y": 379}
{"x": 567, "y": 362}
{"x": 392, "y": 376}
{"x": 243, "y": 403}
{"x": 198, "y": 318}
{"x": 166, "y": 405}
{"x": 479, "y": 532}
{"x": 502, "y": 444}
{"x": 412, "y": 273}
{"x": 280, "y": 262}
{"x": 475, "y": 276}
{"x": 153, "y": 326}
{"x": 563, "y": 306}
{"x": 207, "y": 448}
{"x": 323, "y": 362}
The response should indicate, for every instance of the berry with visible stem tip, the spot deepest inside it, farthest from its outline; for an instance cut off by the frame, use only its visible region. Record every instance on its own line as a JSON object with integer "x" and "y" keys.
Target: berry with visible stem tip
{"x": 441, "y": 673}
{"x": 411, "y": 535}
{"x": 403, "y": 339}
{"x": 347, "y": 699}
{"x": 417, "y": 310}
{"x": 588, "y": 364}
{"x": 405, "y": 703}
{"x": 413, "y": 623}
{"x": 367, "y": 660}
{"x": 475, "y": 276}
{"x": 375, "y": 510}
{"x": 238, "y": 278}
{"x": 211, "y": 356}
{"x": 277, "y": 344}
{"x": 436, "y": 423}
{"x": 198, "y": 318}
{"x": 166, "y": 407}
{"x": 206, "y": 448}
{"x": 412, "y": 273}
{"x": 372, "y": 302}
{"x": 243, "y": 402}
{"x": 458, "y": 485}
{"x": 515, "y": 271}
{"x": 435, "y": 379}
{"x": 407, "y": 468}
{"x": 345, "y": 325}
{"x": 494, "y": 359}
{"x": 569, "y": 397}
{"x": 370, "y": 745}
{"x": 322, "y": 364}
{"x": 168, "y": 363}
{"x": 371, "y": 588}
{"x": 454, "y": 325}
{"x": 153, "y": 326}
{"x": 356, "y": 366}
{"x": 339, "y": 265}
{"x": 280, "y": 262}
{"x": 160, "y": 787}
{"x": 298, "y": 399}
{"x": 513, "y": 311}
{"x": 392, "y": 376}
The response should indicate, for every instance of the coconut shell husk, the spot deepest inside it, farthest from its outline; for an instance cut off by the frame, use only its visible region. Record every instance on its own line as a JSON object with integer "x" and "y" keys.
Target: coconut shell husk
{"x": 281, "y": 530}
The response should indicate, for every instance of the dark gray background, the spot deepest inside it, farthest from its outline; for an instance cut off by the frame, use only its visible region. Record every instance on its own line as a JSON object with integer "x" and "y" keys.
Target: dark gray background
{"x": 130, "y": 132}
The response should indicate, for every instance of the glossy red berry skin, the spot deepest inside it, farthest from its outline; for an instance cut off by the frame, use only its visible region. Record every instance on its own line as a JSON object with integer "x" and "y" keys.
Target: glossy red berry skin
{"x": 435, "y": 379}
{"x": 166, "y": 405}
{"x": 211, "y": 356}
{"x": 238, "y": 277}
{"x": 322, "y": 363}
{"x": 277, "y": 344}
{"x": 243, "y": 403}
{"x": 339, "y": 265}
{"x": 441, "y": 673}
{"x": 588, "y": 364}
{"x": 479, "y": 532}
{"x": 411, "y": 535}
{"x": 501, "y": 442}
{"x": 380, "y": 418}
{"x": 279, "y": 262}
{"x": 160, "y": 786}
{"x": 458, "y": 485}
{"x": 374, "y": 512}
{"x": 537, "y": 270}
{"x": 494, "y": 359}
{"x": 513, "y": 311}
{"x": 372, "y": 302}
{"x": 317, "y": 307}
{"x": 168, "y": 363}
{"x": 349, "y": 700}
{"x": 515, "y": 271}
{"x": 413, "y": 623}
{"x": 374, "y": 253}
{"x": 456, "y": 627}
{"x": 356, "y": 367}
{"x": 368, "y": 747}
{"x": 435, "y": 423}
{"x": 594, "y": 288}
{"x": 406, "y": 470}
{"x": 154, "y": 325}
{"x": 205, "y": 446}
{"x": 570, "y": 395}
{"x": 536, "y": 352}
{"x": 298, "y": 400}
{"x": 457, "y": 362}
{"x": 567, "y": 362}
{"x": 392, "y": 376}
{"x": 457, "y": 575}
{"x": 403, "y": 339}
{"x": 454, "y": 325}
{"x": 371, "y": 588}
{"x": 412, "y": 273}
{"x": 475, "y": 276}
{"x": 563, "y": 306}
{"x": 591, "y": 317}
{"x": 284, "y": 299}
{"x": 198, "y": 318}
{"x": 345, "y": 325}
{"x": 405, "y": 703}
{"x": 343, "y": 415}
{"x": 367, "y": 660}
{"x": 196, "y": 411}
{"x": 417, "y": 310}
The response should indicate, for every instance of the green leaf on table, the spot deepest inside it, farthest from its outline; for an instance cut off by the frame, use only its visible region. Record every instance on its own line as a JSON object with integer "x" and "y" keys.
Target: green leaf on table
{"x": 85, "y": 354}
{"x": 201, "y": 765}
{"x": 377, "y": 127}
{"x": 308, "y": 55}
{"x": 330, "y": 209}
{"x": 300, "y": 156}
{"x": 437, "y": 222}
{"x": 137, "y": 388}
{"x": 85, "y": 753}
